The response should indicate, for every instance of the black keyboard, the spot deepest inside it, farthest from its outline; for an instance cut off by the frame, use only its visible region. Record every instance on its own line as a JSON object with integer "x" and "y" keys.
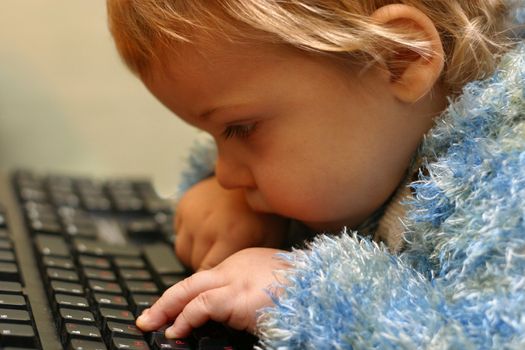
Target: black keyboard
{"x": 80, "y": 258}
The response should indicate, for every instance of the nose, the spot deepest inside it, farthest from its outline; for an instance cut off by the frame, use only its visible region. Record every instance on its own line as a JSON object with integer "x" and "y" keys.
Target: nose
{"x": 232, "y": 174}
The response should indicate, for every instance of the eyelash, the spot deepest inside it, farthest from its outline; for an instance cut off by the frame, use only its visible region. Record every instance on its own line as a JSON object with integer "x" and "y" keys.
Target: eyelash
{"x": 241, "y": 131}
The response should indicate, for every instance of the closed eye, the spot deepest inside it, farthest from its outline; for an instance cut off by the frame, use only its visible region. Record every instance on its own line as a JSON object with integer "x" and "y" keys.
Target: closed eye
{"x": 239, "y": 130}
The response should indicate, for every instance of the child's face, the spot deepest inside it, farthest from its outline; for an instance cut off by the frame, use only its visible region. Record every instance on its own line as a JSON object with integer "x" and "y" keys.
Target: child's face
{"x": 303, "y": 136}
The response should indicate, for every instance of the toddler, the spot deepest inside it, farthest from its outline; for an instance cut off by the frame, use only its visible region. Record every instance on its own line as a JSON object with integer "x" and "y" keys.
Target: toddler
{"x": 318, "y": 111}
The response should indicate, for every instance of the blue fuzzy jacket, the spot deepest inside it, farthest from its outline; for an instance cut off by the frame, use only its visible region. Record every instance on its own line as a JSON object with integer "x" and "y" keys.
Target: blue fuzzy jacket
{"x": 460, "y": 282}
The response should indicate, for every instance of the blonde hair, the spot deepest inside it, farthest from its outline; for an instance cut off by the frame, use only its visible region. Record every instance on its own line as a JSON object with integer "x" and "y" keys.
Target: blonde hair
{"x": 473, "y": 32}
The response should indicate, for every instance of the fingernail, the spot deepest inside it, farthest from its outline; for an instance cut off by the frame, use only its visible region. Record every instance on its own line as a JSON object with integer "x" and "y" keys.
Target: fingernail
{"x": 170, "y": 333}
{"x": 144, "y": 318}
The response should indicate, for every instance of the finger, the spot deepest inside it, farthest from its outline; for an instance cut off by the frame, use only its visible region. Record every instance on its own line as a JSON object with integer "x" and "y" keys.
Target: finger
{"x": 216, "y": 255}
{"x": 215, "y": 304}
{"x": 200, "y": 249}
{"x": 184, "y": 246}
{"x": 171, "y": 303}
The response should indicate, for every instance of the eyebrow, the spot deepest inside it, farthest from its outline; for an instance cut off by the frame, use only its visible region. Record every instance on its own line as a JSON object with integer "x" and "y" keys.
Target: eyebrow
{"x": 206, "y": 115}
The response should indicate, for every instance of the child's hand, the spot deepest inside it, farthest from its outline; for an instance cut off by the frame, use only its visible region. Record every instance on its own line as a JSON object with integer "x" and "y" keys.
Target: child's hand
{"x": 231, "y": 293}
{"x": 212, "y": 223}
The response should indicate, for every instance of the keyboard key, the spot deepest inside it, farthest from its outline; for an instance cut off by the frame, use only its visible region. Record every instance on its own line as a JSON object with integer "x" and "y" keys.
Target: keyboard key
{"x": 123, "y": 186}
{"x": 79, "y": 344}
{"x": 7, "y": 256}
{"x": 80, "y": 331}
{"x": 141, "y": 287}
{"x": 76, "y": 316}
{"x": 62, "y": 263}
{"x": 95, "y": 202}
{"x": 118, "y": 343}
{"x": 10, "y": 288}
{"x": 135, "y": 274}
{"x": 63, "y": 275}
{"x": 81, "y": 231}
{"x": 71, "y": 301}
{"x": 9, "y": 272}
{"x": 17, "y": 335}
{"x": 14, "y": 316}
{"x": 89, "y": 261}
{"x": 66, "y": 199}
{"x": 159, "y": 341}
{"x": 33, "y": 194}
{"x": 41, "y": 211}
{"x": 128, "y": 204}
{"x": 89, "y": 185}
{"x": 105, "y": 287}
{"x": 59, "y": 183}
{"x": 6, "y": 244}
{"x": 103, "y": 275}
{"x": 88, "y": 247}
{"x": 3, "y": 231}
{"x": 131, "y": 263}
{"x": 38, "y": 210}
{"x": 146, "y": 229}
{"x": 46, "y": 226}
{"x": 123, "y": 316}
{"x": 116, "y": 329}
{"x": 51, "y": 246}
{"x": 140, "y": 302}
{"x": 12, "y": 301}
{"x": 108, "y": 300}
{"x": 162, "y": 260}
{"x": 70, "y": 215}
{"x": 67, "y": 288}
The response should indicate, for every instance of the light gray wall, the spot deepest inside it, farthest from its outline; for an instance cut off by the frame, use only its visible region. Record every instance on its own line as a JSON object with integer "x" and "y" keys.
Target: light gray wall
{"x": 68, "y": 104}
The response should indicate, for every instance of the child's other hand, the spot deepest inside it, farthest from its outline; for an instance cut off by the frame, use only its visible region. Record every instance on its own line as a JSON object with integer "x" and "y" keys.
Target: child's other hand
{"x": 212, "y": 223}
{"x": 231, "y": 293}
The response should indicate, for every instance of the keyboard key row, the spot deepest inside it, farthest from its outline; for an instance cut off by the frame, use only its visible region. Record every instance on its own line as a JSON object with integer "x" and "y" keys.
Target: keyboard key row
{"x": 16, "y": 321}
{"x": 90, "y": 194}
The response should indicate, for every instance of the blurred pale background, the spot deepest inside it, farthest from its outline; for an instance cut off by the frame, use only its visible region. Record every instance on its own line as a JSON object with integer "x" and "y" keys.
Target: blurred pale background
{"x": 68, "y": 104}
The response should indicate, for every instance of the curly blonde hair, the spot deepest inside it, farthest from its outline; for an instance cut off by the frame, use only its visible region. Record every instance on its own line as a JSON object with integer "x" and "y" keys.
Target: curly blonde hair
{"x": 473, "y": 32}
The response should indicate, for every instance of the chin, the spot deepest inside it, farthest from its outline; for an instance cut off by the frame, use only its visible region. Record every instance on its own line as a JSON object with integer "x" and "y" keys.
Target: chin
{"x": 256, "y": 203}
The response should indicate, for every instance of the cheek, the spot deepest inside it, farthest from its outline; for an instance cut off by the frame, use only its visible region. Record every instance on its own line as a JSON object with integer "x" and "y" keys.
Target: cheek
{"x": 305, "y": 193}
{"x": 294, "y": 175}
{"x": 349, "y": 188}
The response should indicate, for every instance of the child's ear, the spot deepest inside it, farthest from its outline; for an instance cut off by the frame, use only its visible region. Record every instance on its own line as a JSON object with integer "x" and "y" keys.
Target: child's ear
{"x": 412, "y": 75}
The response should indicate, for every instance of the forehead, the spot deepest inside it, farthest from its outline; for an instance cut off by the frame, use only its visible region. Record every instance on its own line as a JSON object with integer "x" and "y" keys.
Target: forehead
{"x": 216, "y": 57}
{"x": 187, "y": 74}
{"x": 217, "y": 69}
{"x": 193, "y": 77}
